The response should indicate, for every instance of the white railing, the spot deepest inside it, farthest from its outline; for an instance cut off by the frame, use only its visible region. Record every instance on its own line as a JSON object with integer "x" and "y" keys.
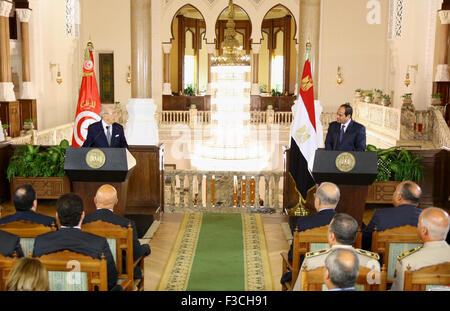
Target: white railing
{"x": 48, "y": 137}
{"x": 199, "y": 190}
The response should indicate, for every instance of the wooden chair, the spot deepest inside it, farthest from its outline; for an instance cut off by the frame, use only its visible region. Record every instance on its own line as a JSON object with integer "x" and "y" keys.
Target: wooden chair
{"x": 120, "y": 241}
{"x": 27, "y": 231}
{"x": 70, "y": 271}
{"x": 6, "y": 264}
{"x": 423, "y": 279}
{"x": 312, "y": 280}
{"x": 304, "y": 242}
{"x": 392, "y": 242}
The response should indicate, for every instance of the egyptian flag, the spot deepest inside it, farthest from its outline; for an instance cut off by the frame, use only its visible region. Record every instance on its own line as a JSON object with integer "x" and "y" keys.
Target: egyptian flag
{"x": 88, "y": 109}
{"x": 303, "y": 136}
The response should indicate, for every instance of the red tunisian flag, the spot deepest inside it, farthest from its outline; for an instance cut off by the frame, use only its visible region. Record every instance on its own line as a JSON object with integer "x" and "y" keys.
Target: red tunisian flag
{"x": 303, "y": 137}
{"x": 88, "y": 109}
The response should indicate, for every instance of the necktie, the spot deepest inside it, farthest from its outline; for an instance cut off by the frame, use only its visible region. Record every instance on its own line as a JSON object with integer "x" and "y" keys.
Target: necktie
{"x": 108, "y": 135}
{"x": 341, "y": 133}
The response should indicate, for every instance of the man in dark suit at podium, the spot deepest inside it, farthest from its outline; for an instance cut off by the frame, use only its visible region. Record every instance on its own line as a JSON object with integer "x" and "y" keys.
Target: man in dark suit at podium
{"x": 344, "y": 134}
{"x": 106, "y": 133}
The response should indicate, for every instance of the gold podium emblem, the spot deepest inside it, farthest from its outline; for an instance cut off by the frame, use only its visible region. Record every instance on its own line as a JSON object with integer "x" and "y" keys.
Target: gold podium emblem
{"x": 345, "y": 162}
{"x": 95, "y": 158}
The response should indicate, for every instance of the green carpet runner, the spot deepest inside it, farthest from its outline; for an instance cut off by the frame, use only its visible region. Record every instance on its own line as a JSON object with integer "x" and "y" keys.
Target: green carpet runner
{"x": 215, "y": 252}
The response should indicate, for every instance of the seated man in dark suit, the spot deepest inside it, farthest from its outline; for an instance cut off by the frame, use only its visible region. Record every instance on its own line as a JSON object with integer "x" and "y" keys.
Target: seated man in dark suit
{"x": 326, "y": 199}
{"x": 10, "y": 244}
{"x": 105, "y": 200}
{"x": 106, "y": 133}
{"x": 405, "y": 199}
{"x": 25, "y": 203}
{"x": 69, "y": 211}
{"x": 345, "y": 134}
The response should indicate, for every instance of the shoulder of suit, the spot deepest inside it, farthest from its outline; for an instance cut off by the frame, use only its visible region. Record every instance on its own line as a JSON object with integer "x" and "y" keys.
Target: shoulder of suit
{"x": 317, "y": 253}
{"x": 407, "y": 253}
{"x": 367, "y": 253}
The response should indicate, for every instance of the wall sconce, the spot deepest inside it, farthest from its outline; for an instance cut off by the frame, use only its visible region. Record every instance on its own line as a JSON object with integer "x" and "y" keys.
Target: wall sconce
{"x": 339, "y": 76}
{"x": 129, "y": 75}
{"x": 58, "y": 74}
{"x": 407, "y": 78}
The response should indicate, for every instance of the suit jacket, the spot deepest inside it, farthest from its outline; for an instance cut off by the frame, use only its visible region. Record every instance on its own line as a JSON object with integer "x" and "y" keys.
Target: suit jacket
{"x": 322, "y": 218}
{"x": 29, "y": 216}
{"x": 9, "y": 244}
{"x": 390, "y": 218}
{"x": 96, "y": 136}
{"x": 354, "y": 138}
{"x": 108, "y": 216}
{"x": 75, "y": 240}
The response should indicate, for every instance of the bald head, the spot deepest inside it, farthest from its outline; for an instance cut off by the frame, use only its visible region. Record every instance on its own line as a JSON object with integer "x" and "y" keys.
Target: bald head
{"x": 106, "y": 197}
{"x": 407, "y": 192}
{"x": 342, "y": 267}
{"x": 327, "y": 196}
{"x": 433, "y": 224}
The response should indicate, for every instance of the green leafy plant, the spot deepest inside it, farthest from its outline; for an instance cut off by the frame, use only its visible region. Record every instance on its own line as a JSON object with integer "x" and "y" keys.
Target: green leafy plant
{"x": 378, "y": 91}
{"x": 397, "y": 164}
{"x": 407, "y": 95}
{"x": 437, "y": 95}
{"x": 358, "y": 90}
{"x": 5, "y": 126}
{"x": 276, "y": 92}
{"x": 262, "y": 89}
{"x": 385, "y": 96}
{"x": 28, "y": 120}
{"x": 369, "y": 94}
{"x": 190, "y": 90}
{"x": 28, "y": 161}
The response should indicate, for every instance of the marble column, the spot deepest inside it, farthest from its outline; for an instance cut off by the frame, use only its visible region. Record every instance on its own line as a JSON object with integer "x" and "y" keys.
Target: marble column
{"x": 442, "y": 69}
{"x": 310, "y": 31}
{"x": 6, "y": 85}
{"x": 255, "y": 69}
{"x": 27, "y": 89}
{"x": 167, "y": 88}
{"x": 211, "y": 48}
{"x": 141, "y": 128}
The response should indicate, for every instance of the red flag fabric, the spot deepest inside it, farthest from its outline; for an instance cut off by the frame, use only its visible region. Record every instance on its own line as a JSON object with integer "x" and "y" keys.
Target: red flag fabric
{"x": 307, "y": 92}
{"x": 88, "y": 109}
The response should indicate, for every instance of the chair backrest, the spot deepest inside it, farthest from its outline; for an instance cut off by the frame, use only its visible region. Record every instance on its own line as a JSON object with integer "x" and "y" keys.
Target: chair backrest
{"x": 70, "y": 271}
{"x": 312, "y": 240}
{"x": 427, "y": 277}
{"x": 367, "y": 280}
{"x": 27, "y": 231}
{"x": 6, "y": 264}
{"x": 392, "y": 242}
{"x": 120, "y": 240}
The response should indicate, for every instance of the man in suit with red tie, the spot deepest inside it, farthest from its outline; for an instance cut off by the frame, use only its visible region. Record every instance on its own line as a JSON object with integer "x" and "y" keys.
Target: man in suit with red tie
{"x": 344, "y": 134}
{"x": 106, "y": 133}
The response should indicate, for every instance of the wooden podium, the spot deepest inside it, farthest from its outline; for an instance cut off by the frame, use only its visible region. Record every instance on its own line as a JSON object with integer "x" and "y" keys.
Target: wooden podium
{"x": 89, "y": 168}
{"x": 352, "y": 172}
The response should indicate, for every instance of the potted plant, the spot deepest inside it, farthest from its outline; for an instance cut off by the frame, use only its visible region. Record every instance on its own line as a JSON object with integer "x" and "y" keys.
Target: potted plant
{"x": 28, "y": 124}
{"x": 377, "y": 94}
{"x": 5, "y": 129}
{"x": 189, "y": 91}
{"x": 275, "y": 92}
{"x": 358, "y": 93}
{"x": 368, "y": 97}
{"x": 262, "y": 89}
{"x": 407, "y": 98}
{"x": 385, "y": 100}
{"x": 44, "y": 169}
{"x": 436, "y": 99}
{"x": 394, "y": 166}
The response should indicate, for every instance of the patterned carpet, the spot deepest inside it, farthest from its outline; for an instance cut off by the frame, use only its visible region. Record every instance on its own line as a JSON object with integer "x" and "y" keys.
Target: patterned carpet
{"x": 219, "y": 252}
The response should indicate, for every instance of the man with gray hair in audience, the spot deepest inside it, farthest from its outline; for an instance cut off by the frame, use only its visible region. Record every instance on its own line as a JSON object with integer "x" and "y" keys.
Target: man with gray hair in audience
{"x": 341, "y": 235}
{"x": 326, "y": 199}
{"x": 341, "y": 270}
{"x": 432, "y": 229}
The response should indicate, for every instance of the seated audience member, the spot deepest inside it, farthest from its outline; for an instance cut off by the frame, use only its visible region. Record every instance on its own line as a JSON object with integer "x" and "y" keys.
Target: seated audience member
{"x": 341, "y": 270}
{"x": 325, "y": 201}
{"x": 432, "y": 228}
{"x": 405, "y": 199}
{"x": 341, "y": 235}
{"x": 69, "y": 211}
{"x": 25, "y": 203}
{"x": 28, "y": 274}
{"x": 10, "y": 244}
{"x": 105, "y": 200}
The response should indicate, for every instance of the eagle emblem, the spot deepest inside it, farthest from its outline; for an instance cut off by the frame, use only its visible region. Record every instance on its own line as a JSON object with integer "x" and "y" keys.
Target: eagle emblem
{"x": 306, "y": 83}
{"x": 302, "y": 134}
